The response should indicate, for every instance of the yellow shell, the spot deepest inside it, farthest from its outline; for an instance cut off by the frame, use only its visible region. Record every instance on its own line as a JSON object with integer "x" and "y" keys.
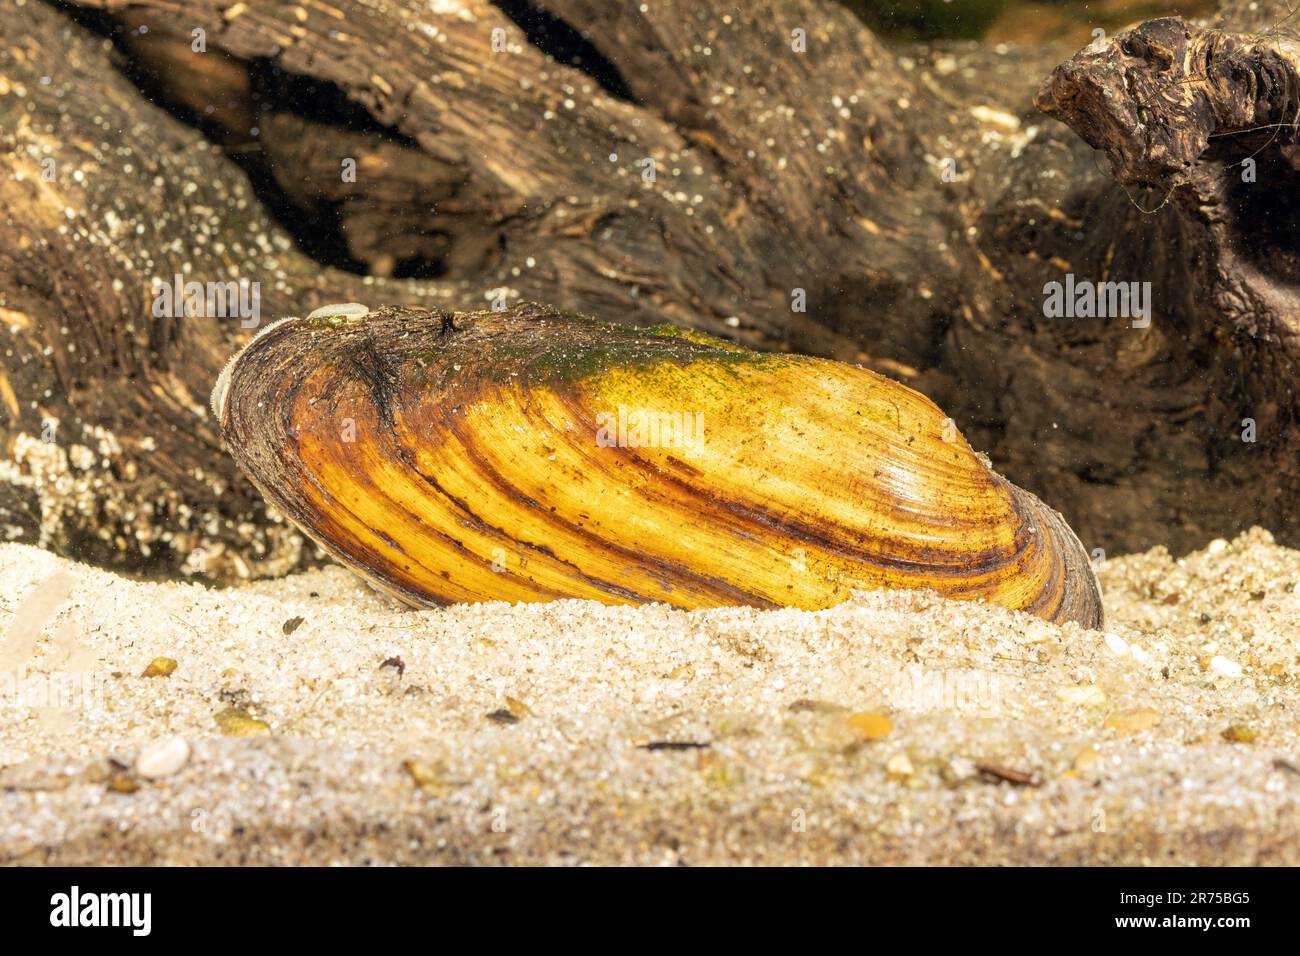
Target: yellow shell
{"x": 530, "y": 455}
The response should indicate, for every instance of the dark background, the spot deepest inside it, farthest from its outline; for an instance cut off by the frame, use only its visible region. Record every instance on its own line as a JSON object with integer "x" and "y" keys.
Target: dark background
{"x": 1030, "y": 21}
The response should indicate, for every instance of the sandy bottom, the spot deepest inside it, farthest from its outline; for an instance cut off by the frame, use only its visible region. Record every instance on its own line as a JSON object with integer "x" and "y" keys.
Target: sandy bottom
{"x": 310, "y": 720}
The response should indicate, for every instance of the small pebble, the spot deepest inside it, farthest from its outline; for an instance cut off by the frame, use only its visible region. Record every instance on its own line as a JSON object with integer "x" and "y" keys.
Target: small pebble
{"x": 1084, "y": 695}
{"x": 159, "y": 667}
{"x": 123, "y": 783}
{"x": 872, "y": 725}
{"x": 1117, "y": 645}
{"x": 899, "y": 766}
{"x": 958, "y": 770}
{"x": 162, "y": 758}
{"x": 237, "y": 722}
{"x": 1240, "y": 734}
{"x": 425, "y": 775}
{"x": 1132, "y": 721}
{"x": 1225, "y": 668}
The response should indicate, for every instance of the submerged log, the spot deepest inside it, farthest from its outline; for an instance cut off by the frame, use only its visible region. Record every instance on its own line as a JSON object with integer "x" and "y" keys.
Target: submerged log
{"x": 1199, "y": 126}
{"x": 772, "y": 174}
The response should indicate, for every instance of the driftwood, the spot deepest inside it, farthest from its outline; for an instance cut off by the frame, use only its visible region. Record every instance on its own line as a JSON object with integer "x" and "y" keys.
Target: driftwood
{"x": 769, "y": 172}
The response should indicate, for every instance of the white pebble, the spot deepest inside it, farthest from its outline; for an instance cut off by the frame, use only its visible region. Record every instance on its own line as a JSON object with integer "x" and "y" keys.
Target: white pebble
{"x": 1117, "y": 645}
{"x": 1224, "y": 667}
{"x": 162, "y": 758}
{"x": 1084, "y": 695}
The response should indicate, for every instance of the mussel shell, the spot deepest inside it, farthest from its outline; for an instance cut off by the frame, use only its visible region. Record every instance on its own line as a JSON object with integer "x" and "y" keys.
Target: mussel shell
{"x": 463, "y": 459}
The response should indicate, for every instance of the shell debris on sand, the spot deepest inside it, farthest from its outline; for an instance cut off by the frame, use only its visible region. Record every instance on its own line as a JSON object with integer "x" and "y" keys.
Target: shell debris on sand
{"x": 755, "y": 716}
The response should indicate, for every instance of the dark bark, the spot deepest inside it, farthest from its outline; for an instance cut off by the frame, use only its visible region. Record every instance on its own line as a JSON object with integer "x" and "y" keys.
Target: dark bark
{"x": 1198, "y": 124}
{"x": 776, "y": 171}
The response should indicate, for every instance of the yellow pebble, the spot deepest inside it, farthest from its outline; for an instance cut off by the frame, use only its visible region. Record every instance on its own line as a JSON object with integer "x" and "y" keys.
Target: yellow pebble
{"x": 1240, "y": 734}
{"x": 160, "y": 667}
{"x": 871, "y": 725}
{"x": 426, "y": 776}
{"x": 123, "y": 783}
{"x": 1132, "y": 721}
{"x": 236, "y": 722}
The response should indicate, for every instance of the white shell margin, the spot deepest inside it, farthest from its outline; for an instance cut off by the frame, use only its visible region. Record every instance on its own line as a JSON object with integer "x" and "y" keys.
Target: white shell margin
{"x": 218, "y": 400}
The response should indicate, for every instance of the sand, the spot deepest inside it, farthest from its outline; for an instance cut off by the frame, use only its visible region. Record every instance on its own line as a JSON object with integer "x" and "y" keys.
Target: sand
{"x": 897, "y": 728}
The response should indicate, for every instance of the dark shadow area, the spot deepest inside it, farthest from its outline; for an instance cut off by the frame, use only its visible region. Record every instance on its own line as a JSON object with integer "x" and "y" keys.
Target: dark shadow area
{"x": 566, "y": 45}
{"x": 1264, "y": 202}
